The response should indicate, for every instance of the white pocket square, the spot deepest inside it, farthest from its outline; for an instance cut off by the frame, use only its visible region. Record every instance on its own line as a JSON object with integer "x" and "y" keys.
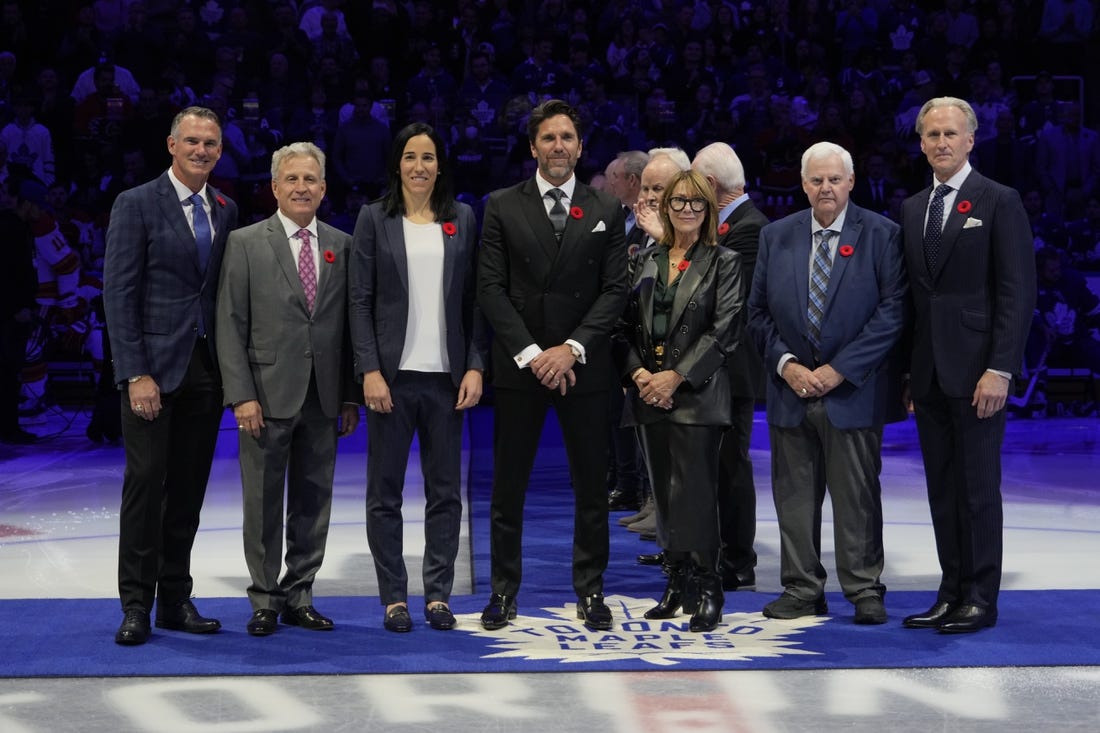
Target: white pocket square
{"x": 600, "y": 227}
{"x": 971, "y": 222}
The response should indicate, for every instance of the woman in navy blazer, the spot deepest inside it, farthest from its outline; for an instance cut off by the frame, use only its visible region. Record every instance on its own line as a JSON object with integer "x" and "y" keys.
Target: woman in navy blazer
{"x": 420, "y": 349}
{"x": 679, "y": 328}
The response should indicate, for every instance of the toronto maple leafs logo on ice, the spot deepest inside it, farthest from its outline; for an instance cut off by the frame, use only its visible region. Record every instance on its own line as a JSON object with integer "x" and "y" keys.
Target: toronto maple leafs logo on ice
{"x": 740, "y": 636}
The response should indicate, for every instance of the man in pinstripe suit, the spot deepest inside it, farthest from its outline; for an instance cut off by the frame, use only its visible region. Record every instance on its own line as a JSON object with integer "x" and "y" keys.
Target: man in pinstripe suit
{"x": 160, "y": 277}
{"x": 968, "y": 251}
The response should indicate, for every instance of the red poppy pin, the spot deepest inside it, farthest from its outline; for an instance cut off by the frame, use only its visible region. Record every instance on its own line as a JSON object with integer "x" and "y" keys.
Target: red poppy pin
{"x": 684, "y": 264}
{"x": 576, "y": 212}
{"x": 220, "y": 200}
{"x": 449, "y": 228}
{"x": 329, "y": 256}
{"x": 846, "y": 250}
{"x": 963, "y": 207}
{"x": 723, "y": 228}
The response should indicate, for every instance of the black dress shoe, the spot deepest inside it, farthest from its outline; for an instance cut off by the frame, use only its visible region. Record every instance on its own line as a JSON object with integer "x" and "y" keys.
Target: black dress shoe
{"x": 307, "y": 617}
{"x": 967, "y": 618}
{"x": 439, "y": 616}
{"x": 653, "y": 558}
{"x": 134, "y": 629}
{"x": 623, "y": 501}
{"x": 870, "y": 610}
{"x": 744, "y": 580}
{"x": 263, "y": 622}
{"x": 500, "y": 610}
{"x": 183, "y": 616}
{"x": 930, "y": 619}
{"x": 594, "y": 612}
{"x": 398, "y": 619}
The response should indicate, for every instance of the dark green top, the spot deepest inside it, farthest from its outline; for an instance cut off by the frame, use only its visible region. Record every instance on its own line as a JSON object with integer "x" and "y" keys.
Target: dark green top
{"x": 665, "y": 292}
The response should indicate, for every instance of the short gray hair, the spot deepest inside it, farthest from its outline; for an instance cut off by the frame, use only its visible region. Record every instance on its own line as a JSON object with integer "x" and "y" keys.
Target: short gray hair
{"x": 634, "y": 162}
{"x": 825, "y": 150}
{"x": 720, "y": 162}
{"x": 679, "y": 157}
{"x": 936, "y": 102}
{"x": 293, "y": 150}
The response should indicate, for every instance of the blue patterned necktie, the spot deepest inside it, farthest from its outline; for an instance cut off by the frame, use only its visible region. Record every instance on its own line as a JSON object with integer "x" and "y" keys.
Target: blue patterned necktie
{"x": 933, "y": 230}
{"x": 819, "y": 285}
{"x": 557, "y": 212}
{"x": 203, "y": 241}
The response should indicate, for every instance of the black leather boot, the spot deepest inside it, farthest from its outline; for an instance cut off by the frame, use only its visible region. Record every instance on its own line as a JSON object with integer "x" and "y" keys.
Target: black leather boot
{"x": 711, "y": 600}
{"x": 678, "y": 573}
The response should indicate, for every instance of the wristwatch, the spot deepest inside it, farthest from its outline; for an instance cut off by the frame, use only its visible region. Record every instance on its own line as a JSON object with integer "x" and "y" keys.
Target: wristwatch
{"x": 138, "y": 378}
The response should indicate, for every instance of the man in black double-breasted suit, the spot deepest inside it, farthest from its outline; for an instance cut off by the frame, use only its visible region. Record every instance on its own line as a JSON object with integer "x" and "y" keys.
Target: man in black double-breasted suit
{"x": 551, "y": 283}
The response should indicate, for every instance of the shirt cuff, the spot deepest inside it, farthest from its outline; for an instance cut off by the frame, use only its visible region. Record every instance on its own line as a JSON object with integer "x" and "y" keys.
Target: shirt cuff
{"x": 578, "y": 348}
{"x": 524, "y": 357}
{"x": 999, "y": 373}
{"x": 783, "y": 362}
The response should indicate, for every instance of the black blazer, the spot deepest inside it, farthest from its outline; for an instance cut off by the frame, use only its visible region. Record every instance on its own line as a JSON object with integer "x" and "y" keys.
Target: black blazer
{"x": 743, "y": 237}
{"x": 704, "y": 329}
{"x": 533, "y": 291}
{"x": 974, "y": 311}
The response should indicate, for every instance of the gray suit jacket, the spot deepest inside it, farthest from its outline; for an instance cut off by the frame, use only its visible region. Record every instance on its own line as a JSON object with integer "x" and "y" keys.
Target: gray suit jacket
{"x": 268, "y": 342}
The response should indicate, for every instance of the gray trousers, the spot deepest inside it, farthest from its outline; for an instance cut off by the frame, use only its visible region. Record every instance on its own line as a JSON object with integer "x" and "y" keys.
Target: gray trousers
{"x": 805, "y": 461}
{"x": 297, "y": 456}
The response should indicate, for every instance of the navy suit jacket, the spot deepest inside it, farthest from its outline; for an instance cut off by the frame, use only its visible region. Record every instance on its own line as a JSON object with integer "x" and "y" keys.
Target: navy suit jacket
{"x": 863, "y": 319}
{"x": 379, "y": 294}
{"x": 154, "y": 293}
{"x": 974, "y": 311}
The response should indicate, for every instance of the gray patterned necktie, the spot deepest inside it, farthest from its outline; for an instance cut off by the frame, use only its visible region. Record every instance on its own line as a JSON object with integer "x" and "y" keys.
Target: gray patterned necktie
{"x": 557, "y": 212}
{"x": 819, "y": 285}
{"x": 933, "y": 230}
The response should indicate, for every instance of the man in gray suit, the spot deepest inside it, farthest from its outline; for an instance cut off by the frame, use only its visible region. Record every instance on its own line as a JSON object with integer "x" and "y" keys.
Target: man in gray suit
{"x": 160, "y": 272}
{"x": 282, "y": 336}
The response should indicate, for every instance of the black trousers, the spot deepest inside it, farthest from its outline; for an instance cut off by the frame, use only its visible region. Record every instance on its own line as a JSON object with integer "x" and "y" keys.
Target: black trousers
{"x": 737, "y": 491}
{"x": 518, "y": 423}
{"x": 167, "y": 466}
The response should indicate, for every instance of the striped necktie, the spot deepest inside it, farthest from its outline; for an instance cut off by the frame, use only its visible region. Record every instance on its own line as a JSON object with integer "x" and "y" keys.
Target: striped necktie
{"x": 819, "y": 285}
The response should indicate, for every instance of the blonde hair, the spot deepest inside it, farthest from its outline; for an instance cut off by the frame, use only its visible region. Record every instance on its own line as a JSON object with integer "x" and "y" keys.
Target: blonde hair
{"x": 708, "y": 232}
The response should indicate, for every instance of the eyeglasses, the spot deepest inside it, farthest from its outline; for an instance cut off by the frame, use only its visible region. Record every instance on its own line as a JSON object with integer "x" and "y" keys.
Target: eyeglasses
{"x": 677, "y": 203}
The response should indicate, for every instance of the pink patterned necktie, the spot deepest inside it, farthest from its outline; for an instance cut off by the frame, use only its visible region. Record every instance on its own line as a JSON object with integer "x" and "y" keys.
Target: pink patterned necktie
{"x": 307, "y": 270}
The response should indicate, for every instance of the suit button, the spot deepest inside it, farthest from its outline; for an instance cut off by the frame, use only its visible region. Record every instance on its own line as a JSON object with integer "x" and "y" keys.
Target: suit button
{"x": 691, "y": 305}
{"x": 576, "y": 293}
{"x": 675, "y": 353}
{"x": 308, "y": 354}
{"x": 683, "y": 329}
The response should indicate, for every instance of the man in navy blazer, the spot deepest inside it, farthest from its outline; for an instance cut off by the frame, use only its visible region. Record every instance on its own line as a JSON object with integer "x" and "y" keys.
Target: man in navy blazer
{"x": 552, "y": 294}
{"x": 826, "y": 309}
{"x": 160, "y": 277}
{"x": 972, "y": 275}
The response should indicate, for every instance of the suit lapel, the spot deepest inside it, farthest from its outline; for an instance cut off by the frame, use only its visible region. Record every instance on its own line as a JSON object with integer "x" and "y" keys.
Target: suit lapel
{"x": 172, "y": 211}
{"x": 277, "y": 240}
{"x": 394, "y": 243}
{"x": 798, "y": 250}
{"x": 689, "y": 281}
{"x": 971, "y": 190}
{"x": 450, "y": 252}
{"x": 646, "y": 284}
{"x": 853, "y": 228}
{"x": 534, "y": 211}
